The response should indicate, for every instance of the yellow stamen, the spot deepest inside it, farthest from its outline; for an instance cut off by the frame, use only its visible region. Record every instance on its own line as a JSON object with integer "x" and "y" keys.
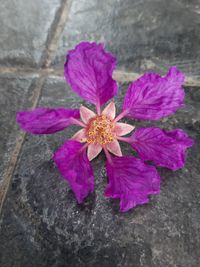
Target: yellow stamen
{"x": 100, "y": 130}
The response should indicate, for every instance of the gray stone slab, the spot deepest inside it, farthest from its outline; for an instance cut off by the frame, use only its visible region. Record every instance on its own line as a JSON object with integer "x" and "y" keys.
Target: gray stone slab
{"x": 144, "y": 35}
{"x": 25, "y": 29}
{"x": 42, "y": 225}
{"x": 15, "y": 93}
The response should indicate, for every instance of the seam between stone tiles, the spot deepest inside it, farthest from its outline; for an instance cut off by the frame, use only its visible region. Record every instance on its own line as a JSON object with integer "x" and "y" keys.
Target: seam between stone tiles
{"x": 123, "y": 76}
{"x": 120, "y": 76}
{"x": 8, "y": 173}
{"x": 57, "y": 29}
{"x": 25, "y": 71}
{"x": 58, "y": 25}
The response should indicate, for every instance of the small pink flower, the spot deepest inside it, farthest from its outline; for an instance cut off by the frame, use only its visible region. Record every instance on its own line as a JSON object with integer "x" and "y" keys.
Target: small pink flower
{"x": 101, "y": 131}
{"x": 88, "y": 69}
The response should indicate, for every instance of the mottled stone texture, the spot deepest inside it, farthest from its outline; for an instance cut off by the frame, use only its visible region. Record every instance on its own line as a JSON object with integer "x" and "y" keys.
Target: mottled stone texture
{"x": 25, "y": 28}
{"x": 42, "y": 225}
{"x": 142, "y": 34}
{"x": 15, "y": 91}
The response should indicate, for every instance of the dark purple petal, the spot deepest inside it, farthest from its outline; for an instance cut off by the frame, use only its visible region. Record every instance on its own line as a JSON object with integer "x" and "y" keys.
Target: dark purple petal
{"x": 46, "y": 120}
{"x": 153, "y": 97}
{"x": 165, "y": 148}
{"x": 73, "y": 164}
{"x": 132, "y": 181}
{"x": 88, "y": 69}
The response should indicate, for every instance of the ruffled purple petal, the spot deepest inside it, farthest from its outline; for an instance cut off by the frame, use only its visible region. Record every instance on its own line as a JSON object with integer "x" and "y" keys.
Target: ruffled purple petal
{"x": 165, "y": 148}
{"x": 132, "y": 181}
{"x": 73, "y": 164}
{"x": 88, "y": 69}
{"x": 153, "y": 97}
{"x": 46, "y": 120}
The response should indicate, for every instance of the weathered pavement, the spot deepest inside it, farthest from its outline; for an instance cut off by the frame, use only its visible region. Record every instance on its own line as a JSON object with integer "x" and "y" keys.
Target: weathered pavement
{"x": 41, "y": 223}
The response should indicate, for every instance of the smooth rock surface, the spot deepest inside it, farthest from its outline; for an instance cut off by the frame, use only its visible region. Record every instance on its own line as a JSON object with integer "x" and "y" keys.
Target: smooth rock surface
{"x": 42, "y": 225}
{"x": 144, "y": 35}
{"x": 25, "y": 29}
{"x": 15, "y": 91}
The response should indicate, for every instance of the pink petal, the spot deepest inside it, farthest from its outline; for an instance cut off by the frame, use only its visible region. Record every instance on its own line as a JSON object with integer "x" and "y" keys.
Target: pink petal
{"x": 88, "y": 69}
{"x": 80, "y": 136}
{"x": 46, "y": 120}
{"x": 165, "y": 148}
{"x": 110, "y": 110}
{"x": 132, "y": 181}
{"x": 86, "y": 114}
{"x": 114, "y": 148}
{"x": 123, "y": 128}
{"x": 93, "y": 151}
{"x": 73, "y": 164}
{"x": 153, "y": 97}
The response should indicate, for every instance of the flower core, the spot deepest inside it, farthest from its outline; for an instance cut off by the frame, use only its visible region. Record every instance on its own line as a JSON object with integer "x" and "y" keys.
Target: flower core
{"x": 100, "y": 130}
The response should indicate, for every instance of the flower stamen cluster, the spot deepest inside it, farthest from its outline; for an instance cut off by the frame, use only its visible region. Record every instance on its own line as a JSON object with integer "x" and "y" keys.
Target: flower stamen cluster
{"x": 100, "y": 130}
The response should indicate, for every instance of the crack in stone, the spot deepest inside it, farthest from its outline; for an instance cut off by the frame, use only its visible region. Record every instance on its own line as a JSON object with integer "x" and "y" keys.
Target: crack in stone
{"x": 7, "y": 176}
{"x": 57, "y": 29}
{"x": 120, "y": 76}
{"x": 52, "y": 44}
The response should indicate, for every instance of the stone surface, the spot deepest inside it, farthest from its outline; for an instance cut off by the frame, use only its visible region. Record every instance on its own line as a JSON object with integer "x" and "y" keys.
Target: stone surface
{"x": 42, "y": 225}
{"x": 15, "y": 91}
{"x": 25, "y": 29}
{"x": 144, "y": 35}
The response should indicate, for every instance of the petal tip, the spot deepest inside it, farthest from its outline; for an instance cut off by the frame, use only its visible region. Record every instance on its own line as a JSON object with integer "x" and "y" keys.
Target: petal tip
{"x": 114, "y": 148}
{"x": 80, "y": 136}
{"x": 93, "y": 151}
{"x": 86, "y": 114}
{"x": 110, "y": 110}
{"x": 122, "y": 129}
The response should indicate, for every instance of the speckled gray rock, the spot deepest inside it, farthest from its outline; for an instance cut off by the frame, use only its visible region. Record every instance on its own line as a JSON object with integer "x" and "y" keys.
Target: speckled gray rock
{"x": 144, "y": 35}
{"x": 25, "y": 29}
{"x": 15, "y": 91}
{"x": 42, "y": 225}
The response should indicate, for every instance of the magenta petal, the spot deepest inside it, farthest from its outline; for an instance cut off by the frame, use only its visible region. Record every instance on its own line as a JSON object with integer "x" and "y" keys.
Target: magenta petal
{"x": 46, "y": 120}
{"x": 88, "y": 69}
{"x": 73, "y": 164}
{"x": 165, "y": 148}
{"x": 153, "y": 97}
{"x": 131, "y": 180}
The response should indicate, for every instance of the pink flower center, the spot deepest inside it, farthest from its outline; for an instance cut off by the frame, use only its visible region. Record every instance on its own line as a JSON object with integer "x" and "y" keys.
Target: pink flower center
{"x": 100, "y": 130}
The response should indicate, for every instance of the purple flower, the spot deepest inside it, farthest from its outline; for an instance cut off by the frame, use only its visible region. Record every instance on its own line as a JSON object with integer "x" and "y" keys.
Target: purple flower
{"x": 88, "y": 70}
